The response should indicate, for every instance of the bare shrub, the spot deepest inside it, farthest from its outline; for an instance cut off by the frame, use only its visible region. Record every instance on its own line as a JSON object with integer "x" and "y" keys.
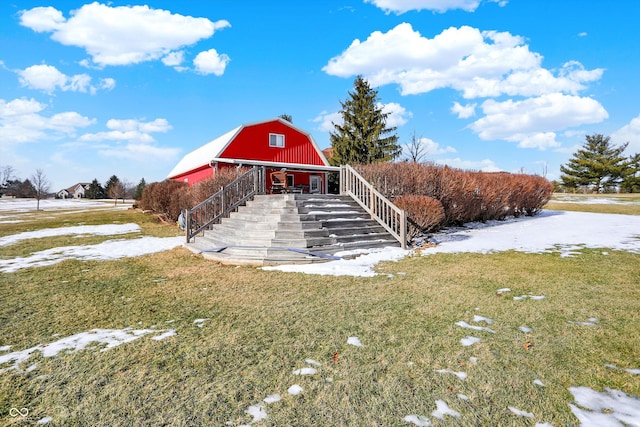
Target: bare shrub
{"x": 206, "y": 188}
{"x": 166, "y": 198}
{"x": 425, "y": 213}
{"x": 465, "y": 195}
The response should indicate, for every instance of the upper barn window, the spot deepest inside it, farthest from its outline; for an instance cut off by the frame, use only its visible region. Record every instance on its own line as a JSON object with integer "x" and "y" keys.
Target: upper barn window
{"x": 276, "y": 140}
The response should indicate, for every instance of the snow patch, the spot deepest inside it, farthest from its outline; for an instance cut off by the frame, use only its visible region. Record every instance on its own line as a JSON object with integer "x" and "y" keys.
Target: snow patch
{"x": 443, "y": 409}
{"x": 96, "y": 230}
{"x": 305, "y": 371}
{"x": 105, "y": 251}
{"x": 169, "y": 333}
{"x": 461, "y": 375}
{"x": 478, "y": 319}
{"x": 469, "y": 341}
{"x": 354, "y": 341}
{"x": 294, "y": 390}
{"x": 272, "y": 398}
{"x": 110, "y": 338}
{"x": 464, "y": 324}
{"x": 628, "y": 370}
{"x": 607, "y": 408}
{"x": 418, "y": 420}
{"x": 521, "y": 413}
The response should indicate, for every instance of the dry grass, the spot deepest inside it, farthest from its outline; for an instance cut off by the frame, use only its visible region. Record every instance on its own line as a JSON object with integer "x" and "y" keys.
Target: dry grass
{"x": 627, "y": 204}
{"x": 263, "y": 325}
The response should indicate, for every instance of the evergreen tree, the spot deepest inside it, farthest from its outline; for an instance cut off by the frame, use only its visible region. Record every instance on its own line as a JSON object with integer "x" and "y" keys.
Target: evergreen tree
{"x": 111, "y": 182}
{"x": 286, "y": 117}
{"x": 631, "y": 181}
{"x": 25, "y": 189}
{"x": 598, "y": 164}
{"x": 95, "y": 190}
{"x": 140, "y": 189}
{"x": 363, "y": 137}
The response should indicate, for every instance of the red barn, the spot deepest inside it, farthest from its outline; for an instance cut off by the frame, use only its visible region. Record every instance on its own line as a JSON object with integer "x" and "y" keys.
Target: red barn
{"x": 275, "y": 144}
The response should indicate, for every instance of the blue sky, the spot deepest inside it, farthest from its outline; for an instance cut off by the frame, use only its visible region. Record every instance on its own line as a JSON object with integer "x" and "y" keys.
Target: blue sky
{"x": 89, "y": 90}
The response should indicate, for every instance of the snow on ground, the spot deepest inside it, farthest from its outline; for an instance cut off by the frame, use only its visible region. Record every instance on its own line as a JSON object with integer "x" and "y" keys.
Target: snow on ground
{"x": 550, "y": 231}
{"x": 361, "y": 266}
{"x": 607, "y": 408}
{"x": 108, "y": 337}
{"x": 595, "y": 200}
{"x": 79, "y": 230}
{"x": 25, "y": 205}
{"x": 109, "y": 250}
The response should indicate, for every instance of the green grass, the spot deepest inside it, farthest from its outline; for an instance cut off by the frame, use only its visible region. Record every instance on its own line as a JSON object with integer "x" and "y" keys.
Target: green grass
{"x": 263, "y": 325}
{"x": 627, "y": 204}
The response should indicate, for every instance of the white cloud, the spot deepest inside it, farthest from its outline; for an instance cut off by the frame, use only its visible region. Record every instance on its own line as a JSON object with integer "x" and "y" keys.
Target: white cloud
{"x": 533, "y": 121}
{"x": 21, "y": 121}
{"x": 401, "y": 6}
{"x": 427, "y": 147}
{"x": 326, "y": 121}
{"x": 121, "y": 35}
{"x": 173, "y": 59}
{"x": 629, "y": 133}
{"x": 398, "y": 115}
{"x": 48, "y": 79}
{"x": 140, "y": 151}
{"x": 464, "y": 111}
{"x": 476, "y": 63}
{"x": 583, "y": 34}
{"x": 432, "y": 147}
{"x": 210, "y": 62}
{"x": 42, "y": 19}
{"x": 129, "y": 130}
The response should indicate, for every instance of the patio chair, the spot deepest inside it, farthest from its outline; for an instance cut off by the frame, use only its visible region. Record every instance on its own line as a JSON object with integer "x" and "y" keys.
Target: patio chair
{"x": 279, "y": 182}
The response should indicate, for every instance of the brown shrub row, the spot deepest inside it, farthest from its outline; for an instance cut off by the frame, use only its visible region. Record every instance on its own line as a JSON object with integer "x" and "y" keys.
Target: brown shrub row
{"x": 466, "y": 196}
{"x": 168, "y": 198}
{"x": 425, "y": 214}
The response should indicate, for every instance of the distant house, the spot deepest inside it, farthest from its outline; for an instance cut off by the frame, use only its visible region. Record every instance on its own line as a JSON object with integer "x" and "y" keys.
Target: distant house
{"x": 276, "y": 144}
{"x": 76, "y": 191}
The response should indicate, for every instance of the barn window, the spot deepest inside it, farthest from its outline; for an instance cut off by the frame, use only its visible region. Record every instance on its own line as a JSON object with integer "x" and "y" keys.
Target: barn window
{"x": 276, "y": 140}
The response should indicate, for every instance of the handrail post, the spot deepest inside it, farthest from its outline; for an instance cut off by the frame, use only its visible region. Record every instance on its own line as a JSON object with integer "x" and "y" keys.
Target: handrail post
{"x": 187, "y": 224}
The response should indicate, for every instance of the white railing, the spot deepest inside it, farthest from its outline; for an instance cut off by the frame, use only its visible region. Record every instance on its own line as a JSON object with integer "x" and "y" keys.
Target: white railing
{"x": 381, "y": 209}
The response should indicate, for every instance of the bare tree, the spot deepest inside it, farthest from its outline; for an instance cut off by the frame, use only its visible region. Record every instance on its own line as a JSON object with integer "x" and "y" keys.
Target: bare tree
{"x": 6, "y": 174}
{"x": 128, "y": 190}
{"x": 116, "y": 191}
{"x": 41, "y": 186}
{"x": 416, "y": 151}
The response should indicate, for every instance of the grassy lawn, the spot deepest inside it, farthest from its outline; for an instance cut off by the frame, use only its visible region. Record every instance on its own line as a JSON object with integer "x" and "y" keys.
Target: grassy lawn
{"x": 628, "y": 204}
{"x": 261, "y": 326}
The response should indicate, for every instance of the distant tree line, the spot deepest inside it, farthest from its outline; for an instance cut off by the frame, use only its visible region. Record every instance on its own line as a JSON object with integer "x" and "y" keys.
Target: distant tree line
{"x": 38, "y": 186}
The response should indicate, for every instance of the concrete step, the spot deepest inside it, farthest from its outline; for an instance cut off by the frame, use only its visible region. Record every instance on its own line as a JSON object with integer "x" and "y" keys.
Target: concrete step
{"x": 276, "y": 229}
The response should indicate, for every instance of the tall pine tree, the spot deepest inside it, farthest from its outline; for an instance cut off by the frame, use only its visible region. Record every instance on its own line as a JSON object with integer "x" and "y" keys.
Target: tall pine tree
{"x": 95, "y": 190}
{"x": 363, "y": 137}
{"x": 140, "y": 189}
{"x": 598, "y": 164}
{"x": 631, "y": 181}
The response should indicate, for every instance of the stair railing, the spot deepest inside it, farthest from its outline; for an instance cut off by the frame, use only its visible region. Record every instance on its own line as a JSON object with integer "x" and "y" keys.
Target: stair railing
{"x": 381, "y": 209}
{"x": 208, "y": 212}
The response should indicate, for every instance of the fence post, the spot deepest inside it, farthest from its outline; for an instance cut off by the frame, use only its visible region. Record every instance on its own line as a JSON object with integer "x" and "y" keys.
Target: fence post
{"x": 187, "y": 224}
{"x": 403, "y": 229}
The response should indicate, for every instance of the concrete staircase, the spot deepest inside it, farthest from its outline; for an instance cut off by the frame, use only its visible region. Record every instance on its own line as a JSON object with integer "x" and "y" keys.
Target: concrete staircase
{"x": 291, "y": 228}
